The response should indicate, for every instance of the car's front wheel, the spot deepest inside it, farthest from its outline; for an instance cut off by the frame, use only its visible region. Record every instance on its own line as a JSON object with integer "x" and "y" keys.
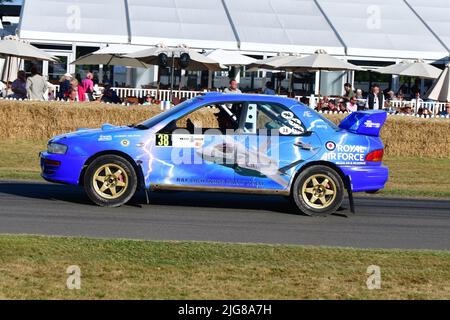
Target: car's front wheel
{"x": 318, "y": 191}
{"x": 110, "y": 181}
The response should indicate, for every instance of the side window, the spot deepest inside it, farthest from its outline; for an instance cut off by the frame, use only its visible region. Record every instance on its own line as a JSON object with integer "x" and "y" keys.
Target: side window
{"x": 276, "y": 117}
{"x": 221, "y": 117}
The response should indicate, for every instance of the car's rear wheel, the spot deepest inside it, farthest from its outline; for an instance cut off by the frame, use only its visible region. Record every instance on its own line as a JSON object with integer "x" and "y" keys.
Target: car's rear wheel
{"x": 110, "y": 181}
{"x": 318, "y": 191}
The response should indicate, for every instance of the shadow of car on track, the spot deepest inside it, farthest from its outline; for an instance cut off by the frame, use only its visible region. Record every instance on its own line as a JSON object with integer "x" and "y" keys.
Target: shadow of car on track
{"x": 76, "y": 195}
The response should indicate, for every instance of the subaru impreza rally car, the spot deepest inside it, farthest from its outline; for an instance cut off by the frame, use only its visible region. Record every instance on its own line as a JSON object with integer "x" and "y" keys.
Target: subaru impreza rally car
{"x": 226, "y": 143}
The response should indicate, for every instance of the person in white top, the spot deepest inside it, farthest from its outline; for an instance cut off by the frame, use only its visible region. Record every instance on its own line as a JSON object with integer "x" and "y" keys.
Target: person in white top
{"x": 375, "y": 99}
{"x": 233, "y": 88}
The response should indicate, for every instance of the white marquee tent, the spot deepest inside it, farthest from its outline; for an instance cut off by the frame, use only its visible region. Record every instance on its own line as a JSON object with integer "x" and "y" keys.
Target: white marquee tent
{"x": 394, "y": 29}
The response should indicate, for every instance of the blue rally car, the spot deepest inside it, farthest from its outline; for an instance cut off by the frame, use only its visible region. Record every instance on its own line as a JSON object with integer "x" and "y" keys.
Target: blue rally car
{"x": 226, "y": 143}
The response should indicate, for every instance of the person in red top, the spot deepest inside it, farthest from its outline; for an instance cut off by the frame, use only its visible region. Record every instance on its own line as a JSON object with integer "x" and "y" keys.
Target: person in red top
{"x": 77, "y": 92}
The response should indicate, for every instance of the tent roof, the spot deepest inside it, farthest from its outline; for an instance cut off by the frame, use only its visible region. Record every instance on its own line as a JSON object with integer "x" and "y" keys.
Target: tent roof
{"x": 195, "y": 23}
{"x": 74, "y": 20}
{"x": 282, "y": 26}
{"x": 392, "y": 29}
{"x": 435, "y": 13}
{"x": 382, "y": 28}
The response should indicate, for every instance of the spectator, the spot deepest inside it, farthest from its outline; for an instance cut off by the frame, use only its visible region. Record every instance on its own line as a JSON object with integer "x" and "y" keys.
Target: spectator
{"x": 64, "y": 86}
{"x": 2, "y": 89}
{"x": 446, "y": 111}
{"x": 375, "y": 99}
{"x": 77, "y": 92}
{"x": 390, "y": 96}
{"x": 19, "y": 86}
{"x": 88, "y": 86}
{"x": 269, "y": 89}
{"x": 149, "y": 100}
{"x": 360, "y": 101}
{"x": 233, "y": 88}
{"x": 417, "y": 99}
{"x": 36, "y": 85}
{"x": 348, "y": 92}
{"x": 352, "y": 105}
{"x": 109, "y": 95}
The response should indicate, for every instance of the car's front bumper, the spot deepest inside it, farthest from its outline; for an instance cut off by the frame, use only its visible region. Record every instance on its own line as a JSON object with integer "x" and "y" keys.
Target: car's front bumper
{"x": 366, "y": 178}
{"x": 61, "y": 168}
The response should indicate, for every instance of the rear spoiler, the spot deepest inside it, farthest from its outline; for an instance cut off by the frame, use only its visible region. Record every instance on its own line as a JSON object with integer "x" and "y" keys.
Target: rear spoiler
{"x": 368, "y": 123}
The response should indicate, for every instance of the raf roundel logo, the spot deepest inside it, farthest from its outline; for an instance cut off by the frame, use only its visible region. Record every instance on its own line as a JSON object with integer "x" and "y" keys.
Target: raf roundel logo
{"x": 330, "y": 145}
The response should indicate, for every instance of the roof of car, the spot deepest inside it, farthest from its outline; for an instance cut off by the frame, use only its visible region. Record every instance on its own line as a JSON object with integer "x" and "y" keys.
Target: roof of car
{"x": 219, "y": 96}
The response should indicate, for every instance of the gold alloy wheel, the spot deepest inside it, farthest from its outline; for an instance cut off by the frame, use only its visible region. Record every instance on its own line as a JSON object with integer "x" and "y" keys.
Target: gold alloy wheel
{"x": 319, "y": 191}
{"x": 110, "y": 181}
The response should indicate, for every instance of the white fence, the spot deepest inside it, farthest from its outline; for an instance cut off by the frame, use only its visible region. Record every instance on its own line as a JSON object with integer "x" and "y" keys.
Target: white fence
{"x": 164, "y": 95}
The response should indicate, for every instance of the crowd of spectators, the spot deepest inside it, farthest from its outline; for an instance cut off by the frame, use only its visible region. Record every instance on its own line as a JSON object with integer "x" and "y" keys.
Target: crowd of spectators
{"x": 72, "y": 88}
{"x": 376, "y": 99}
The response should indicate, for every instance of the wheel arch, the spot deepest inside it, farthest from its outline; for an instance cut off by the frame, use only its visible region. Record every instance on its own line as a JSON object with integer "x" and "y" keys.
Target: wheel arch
{"x": 319, "y": 163}
{"x": 137, "y": 168}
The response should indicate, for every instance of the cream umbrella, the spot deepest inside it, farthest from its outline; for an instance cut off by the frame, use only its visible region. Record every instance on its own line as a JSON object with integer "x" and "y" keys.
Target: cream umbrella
{"x": 440, "y": 90}
{"x": 417, "y": 68}
{"x": 12, "y": 50}
{"x": 230, "y": 58}
{"x": 197, "y": 61}
{"x": 319, "y": 61}
{"x": 23, "y": 50}
{"x": 110, "y": 59}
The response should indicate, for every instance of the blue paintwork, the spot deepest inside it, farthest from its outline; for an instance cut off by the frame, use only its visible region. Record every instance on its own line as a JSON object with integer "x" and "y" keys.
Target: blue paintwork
{"x": 345, "y": 147}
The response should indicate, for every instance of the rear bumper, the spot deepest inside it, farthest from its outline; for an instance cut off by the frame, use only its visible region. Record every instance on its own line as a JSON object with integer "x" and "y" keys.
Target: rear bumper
{"x": 61, "y": 168}
{"x": 367, "y": 178}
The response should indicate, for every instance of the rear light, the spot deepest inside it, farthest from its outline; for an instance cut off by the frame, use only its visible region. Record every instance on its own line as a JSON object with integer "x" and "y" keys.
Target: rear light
{"x": 375, "y": 156}
{"x": 52, "y": 163}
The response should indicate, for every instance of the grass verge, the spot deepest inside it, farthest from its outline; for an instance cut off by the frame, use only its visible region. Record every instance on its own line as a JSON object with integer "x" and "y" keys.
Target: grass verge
{"x": 33, "y": 267}
{"x": 409, "y": 176}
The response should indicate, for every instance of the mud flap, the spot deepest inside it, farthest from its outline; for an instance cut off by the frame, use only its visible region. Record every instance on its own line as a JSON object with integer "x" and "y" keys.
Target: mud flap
{"x": 348, "y": 186}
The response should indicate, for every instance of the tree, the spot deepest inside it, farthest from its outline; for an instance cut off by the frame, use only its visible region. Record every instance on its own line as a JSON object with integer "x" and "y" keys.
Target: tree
{"x": 5, "y": 1}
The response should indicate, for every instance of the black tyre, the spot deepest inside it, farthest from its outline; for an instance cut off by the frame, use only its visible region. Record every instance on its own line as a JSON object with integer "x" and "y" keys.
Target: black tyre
{"x": 318, "y": 191}
{"x": 110, "y": 181}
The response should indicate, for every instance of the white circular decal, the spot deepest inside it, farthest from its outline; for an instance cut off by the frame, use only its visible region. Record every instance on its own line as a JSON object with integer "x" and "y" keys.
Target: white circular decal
{"x": 285, "y": 131}
{"x": 296, "y": 123}
{"x": 297, "y": 131}
{"x": 125, "y": 143}
{"x": 287, "y": 115}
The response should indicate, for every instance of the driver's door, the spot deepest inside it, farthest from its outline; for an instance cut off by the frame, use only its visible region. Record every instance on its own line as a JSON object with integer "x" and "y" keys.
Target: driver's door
{"x": 196, "y": 151}
{"x": 272, "y": 144}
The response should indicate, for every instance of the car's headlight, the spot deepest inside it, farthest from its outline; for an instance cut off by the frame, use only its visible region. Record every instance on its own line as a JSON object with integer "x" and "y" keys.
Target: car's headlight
{"x": 56, "y": 148}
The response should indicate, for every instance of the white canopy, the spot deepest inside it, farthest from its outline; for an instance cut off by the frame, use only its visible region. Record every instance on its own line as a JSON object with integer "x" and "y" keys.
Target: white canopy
{"x": 75, "y": 20}
{"x": 391, "y": 29}
{"x": 435, "y": 13}
{"x": 382, "y": 28}
{"x": 230, "y": 58}
{"x": 440, "y": 90}
{"x": 282, "y": 26}
{"x": 195, "y": 23}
